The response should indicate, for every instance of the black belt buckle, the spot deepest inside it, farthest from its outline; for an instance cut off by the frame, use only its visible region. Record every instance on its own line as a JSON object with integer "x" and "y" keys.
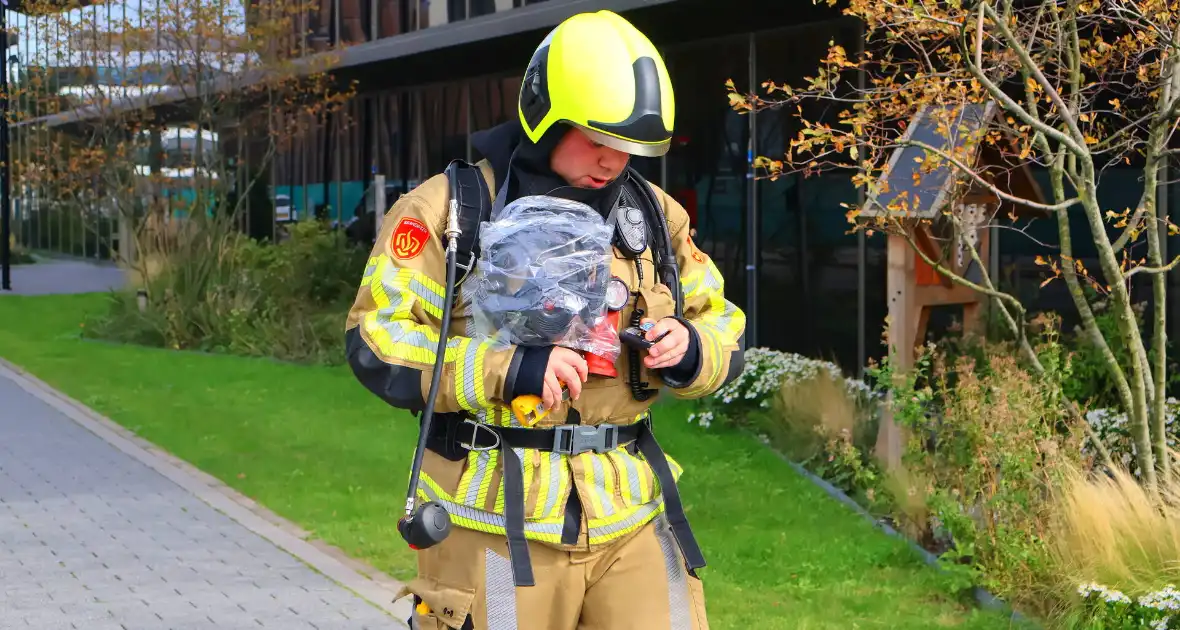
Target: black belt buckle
{"x": 575, "y": 439}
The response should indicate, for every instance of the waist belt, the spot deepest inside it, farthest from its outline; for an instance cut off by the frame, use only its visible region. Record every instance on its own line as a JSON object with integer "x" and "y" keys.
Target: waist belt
{"x": 455, "y": 437}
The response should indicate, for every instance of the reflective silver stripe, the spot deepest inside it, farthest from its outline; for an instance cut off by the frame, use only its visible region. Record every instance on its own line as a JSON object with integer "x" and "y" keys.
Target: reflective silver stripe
{"x": 712, "y": 281}
{"x": 679, "y": 615}
{"x": 469, "y": 374}
{"x": 641, "y": 514}
{"x": 481, "y": 470}
{"x": 413, "y": 337}
{"x": 633, "y": 488}
{"x": 396, "y": 281}
{"x": 557, "y": 468}
{"x": 501, "y": 591}
{"x": 390, "y": 287}
{"x": 425, "y": 293}
{"x": 487, "y": 518}
{"x": 608, "y": 503}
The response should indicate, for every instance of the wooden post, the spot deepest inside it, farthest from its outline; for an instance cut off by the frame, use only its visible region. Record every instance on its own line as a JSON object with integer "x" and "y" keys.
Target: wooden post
{"x": 903, "y": 329}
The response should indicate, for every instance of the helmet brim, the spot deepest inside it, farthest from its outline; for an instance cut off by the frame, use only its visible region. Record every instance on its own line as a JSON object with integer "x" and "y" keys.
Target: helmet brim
{"x": 642, "y": 149}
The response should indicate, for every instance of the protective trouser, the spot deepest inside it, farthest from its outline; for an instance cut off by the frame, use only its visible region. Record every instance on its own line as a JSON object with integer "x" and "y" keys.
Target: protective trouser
{"x": 640, "y": 583}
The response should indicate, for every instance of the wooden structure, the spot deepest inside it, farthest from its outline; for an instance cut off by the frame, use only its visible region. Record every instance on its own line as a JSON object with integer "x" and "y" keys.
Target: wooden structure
{"x": 914, "y": 288}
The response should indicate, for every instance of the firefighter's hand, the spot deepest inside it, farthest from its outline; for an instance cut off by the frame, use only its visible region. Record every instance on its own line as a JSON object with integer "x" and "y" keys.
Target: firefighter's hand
{"x": 565, "y": 366}
{"x": 670, "y": 350}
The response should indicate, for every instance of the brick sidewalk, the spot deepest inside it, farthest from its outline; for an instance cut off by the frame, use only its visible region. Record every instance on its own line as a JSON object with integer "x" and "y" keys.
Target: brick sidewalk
{"x": 92, "y": 537}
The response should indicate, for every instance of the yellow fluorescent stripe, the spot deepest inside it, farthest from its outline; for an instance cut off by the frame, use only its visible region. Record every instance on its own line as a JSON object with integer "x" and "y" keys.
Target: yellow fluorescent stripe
{"x": 492, "y": 523}
{"x": 468, "y": 474}
{"x": 712, "y": 361}
{"x": 677, "y": 469}
{"x": 411, "y": 285}
{"x": 460, "y": 375}
{"x": 422, "y": 339}
{"x": 481, "y": 399}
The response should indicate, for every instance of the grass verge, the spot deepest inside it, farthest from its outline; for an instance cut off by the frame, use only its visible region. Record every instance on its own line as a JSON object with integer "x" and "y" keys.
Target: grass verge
{"x": 316, "y": 448}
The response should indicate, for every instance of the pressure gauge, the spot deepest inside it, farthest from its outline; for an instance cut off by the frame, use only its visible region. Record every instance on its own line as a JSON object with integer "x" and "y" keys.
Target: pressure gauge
{"x": 617, "y": 294}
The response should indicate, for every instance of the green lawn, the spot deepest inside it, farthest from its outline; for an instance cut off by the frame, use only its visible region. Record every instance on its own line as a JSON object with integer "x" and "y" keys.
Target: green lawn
{"x": 312, "y": 445}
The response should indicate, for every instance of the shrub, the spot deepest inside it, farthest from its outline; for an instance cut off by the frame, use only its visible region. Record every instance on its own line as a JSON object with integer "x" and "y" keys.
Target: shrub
{"x": 987, "y": 440}
{"x": 223, "y": 292}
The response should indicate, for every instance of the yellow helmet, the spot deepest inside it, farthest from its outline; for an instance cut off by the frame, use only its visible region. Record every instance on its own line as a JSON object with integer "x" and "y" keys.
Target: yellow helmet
{"x": 599, "y": 73}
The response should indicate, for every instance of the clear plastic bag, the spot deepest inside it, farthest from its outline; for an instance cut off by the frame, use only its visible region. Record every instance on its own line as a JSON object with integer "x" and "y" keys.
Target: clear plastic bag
{"x": 541, "y": 277}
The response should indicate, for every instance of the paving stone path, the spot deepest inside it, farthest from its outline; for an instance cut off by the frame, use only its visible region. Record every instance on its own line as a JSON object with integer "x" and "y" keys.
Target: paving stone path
{"x": 65, "y": 275}
{"x": 92, "y": 538}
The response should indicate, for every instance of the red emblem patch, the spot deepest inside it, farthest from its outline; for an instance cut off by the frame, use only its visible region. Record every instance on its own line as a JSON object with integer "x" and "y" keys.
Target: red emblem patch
{"x": 696, "y": 253}
{"x": 409, "y": 238}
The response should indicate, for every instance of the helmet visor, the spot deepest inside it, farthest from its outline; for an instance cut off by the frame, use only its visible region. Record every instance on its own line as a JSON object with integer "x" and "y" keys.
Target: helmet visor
{"x": 642, "y": 149}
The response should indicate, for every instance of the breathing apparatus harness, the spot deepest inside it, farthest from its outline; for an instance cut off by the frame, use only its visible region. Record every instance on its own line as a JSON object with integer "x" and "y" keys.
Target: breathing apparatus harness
{"x": 430, "y": 523}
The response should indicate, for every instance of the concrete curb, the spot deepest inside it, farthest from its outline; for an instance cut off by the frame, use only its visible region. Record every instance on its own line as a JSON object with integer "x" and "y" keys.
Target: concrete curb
{"x": 367, "y": 582}
{"x": 985, "y": 599}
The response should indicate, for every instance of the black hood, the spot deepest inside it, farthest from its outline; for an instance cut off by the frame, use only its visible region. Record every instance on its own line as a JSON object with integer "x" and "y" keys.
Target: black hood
{"x": 509, "y": 150}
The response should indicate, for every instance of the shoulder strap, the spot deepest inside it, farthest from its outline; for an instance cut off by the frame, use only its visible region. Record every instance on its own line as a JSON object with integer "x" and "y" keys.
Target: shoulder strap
{"x": 665, "y": 254}
{"x": 470, "y": 191}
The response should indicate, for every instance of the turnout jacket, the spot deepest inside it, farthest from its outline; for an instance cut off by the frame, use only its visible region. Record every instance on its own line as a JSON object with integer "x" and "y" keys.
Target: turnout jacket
{"x": 392, "y": 333}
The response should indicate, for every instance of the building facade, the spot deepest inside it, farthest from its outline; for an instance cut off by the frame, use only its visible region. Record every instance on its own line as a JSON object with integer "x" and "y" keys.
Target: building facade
{"x": 429, "y": 73}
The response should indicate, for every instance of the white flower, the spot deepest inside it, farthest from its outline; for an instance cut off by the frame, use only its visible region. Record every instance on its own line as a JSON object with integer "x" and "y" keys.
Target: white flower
{"x": 1167, "y": 599}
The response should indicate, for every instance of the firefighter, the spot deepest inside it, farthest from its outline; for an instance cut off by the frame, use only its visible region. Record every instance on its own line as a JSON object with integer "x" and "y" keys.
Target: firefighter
{"x": 576, "y": 521}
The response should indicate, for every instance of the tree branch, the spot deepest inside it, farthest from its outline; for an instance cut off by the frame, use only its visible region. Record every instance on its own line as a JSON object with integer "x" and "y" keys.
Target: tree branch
{"x": 1035, "y": 69}
{"x": 1152, "y": 270}
{"x": 1013, "y": 107}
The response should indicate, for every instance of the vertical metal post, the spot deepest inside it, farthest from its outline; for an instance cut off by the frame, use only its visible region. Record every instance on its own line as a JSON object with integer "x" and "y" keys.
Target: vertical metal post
{"x": 470, "y": 116}
{"x": 368, "y": 153}
{"x": 752, "y": 222}
{"x": 5, "y": 168}
{"x": 862, "y": 246}
{"x": 379, "y": 201}
{"x": 374, "y": 25}
{"x": 337, "y": 174}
